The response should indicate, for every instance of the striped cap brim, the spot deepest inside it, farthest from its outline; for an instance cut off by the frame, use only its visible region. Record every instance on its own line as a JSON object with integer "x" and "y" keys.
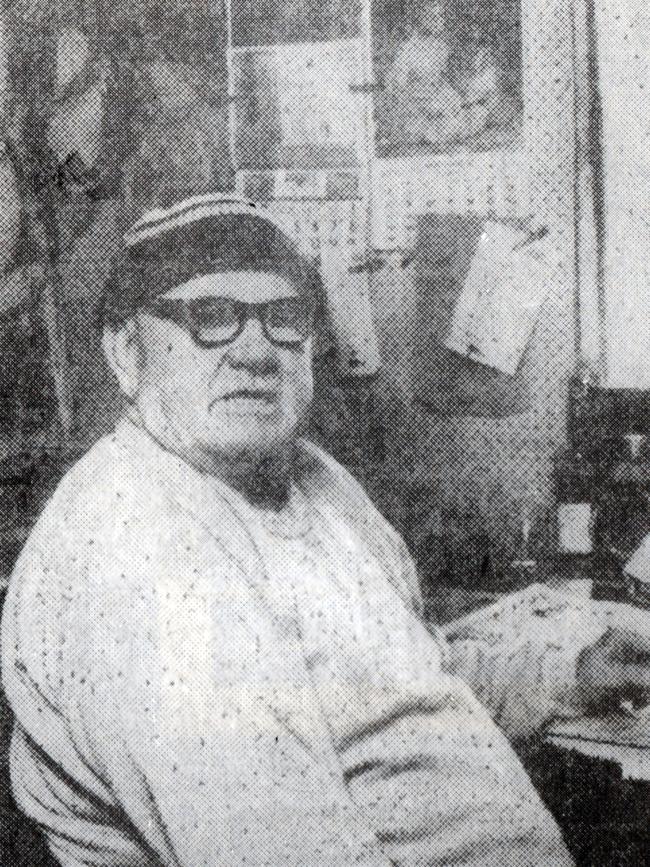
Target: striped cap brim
{"x": 160, "y": 221}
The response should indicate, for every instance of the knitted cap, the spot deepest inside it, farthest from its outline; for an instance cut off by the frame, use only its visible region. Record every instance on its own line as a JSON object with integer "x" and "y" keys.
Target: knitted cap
{"x": 199, "y": 236}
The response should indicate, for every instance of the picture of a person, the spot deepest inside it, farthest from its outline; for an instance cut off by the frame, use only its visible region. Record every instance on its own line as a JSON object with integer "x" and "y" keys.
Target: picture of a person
{"x": 423, "y": 106}
{"x": 481, "y": 92}
{"x": 448, "y": 77}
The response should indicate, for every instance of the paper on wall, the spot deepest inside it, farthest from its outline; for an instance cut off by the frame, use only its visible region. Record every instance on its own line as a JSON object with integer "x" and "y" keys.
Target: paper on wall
{"x": 350, "y": 308}
{"x": 300, "y": 105}
{"x": 333, "y": 233}
{"x": 508, "y": 281}
{"x": 343, "y": 262}
{"x": 492, "y": 184}
{"x": 316, "y": 100}
{"x": 314, "y": 225}
{"x": 300, "y": 184}
{"x": 638, "y": 566}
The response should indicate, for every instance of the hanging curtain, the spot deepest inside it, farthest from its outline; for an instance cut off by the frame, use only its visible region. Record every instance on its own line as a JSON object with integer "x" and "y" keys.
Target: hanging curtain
{"x": 623, "y": 36}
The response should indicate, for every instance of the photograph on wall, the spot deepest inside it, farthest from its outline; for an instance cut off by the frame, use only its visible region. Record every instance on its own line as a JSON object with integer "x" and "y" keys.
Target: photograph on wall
{"x": 268, "y": 22}
{"x": 448, "y": 76}
{"x": 295, "y": 108}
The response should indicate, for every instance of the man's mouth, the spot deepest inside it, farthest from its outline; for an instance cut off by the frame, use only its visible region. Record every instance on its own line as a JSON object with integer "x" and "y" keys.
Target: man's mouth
{"x": 264, "y": 395}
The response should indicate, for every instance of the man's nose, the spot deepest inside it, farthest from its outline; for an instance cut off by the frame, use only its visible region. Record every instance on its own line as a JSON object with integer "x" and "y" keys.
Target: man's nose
{"x": 253, "y": 351}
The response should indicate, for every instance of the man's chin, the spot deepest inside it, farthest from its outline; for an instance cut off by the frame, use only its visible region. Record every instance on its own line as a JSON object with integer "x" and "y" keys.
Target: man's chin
{"x": 258, "y": 434}
{"x": 257, "y": 442}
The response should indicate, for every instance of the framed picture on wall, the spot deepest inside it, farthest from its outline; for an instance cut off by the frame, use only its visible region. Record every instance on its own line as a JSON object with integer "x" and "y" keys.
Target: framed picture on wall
{"x": 295, "y": 72}
{"x": 293, "y": 106}
{"x": 448, "y": 75}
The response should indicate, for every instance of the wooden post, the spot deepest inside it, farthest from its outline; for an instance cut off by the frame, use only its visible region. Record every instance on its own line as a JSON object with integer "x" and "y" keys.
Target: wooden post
{"x": 59, "y": 367}
{"x": 38, "y": 69}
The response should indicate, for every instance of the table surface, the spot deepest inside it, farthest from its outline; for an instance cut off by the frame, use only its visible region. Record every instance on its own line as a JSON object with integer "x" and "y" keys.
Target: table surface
{"x": 614, "y": 738}
{"x": 604, "y": 818}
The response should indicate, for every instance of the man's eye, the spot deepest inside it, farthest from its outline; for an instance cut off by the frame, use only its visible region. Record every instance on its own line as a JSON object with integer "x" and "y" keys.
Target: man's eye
{"x": 287, "y": 313}
{"x": 215, "y": 315}
{"x": 218, "y": 317}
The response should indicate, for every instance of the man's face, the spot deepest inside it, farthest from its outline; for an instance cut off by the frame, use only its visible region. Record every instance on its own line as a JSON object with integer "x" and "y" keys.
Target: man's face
{"x": 248, "y": 397}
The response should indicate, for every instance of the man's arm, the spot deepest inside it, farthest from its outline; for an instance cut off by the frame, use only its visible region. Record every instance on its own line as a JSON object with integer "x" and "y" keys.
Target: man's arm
{"x": 60, "y": 789}
{"x": 557, "y": 663}
{"x": 175, "y": 729}
{"x": 432, "y": 774}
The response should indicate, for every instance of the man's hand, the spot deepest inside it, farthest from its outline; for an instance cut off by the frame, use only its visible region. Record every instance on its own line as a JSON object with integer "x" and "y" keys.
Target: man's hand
{"x": 613, "y": 670}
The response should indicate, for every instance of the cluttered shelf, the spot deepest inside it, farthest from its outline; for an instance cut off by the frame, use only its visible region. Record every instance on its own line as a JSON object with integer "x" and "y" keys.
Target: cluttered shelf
{"x": 595, "y": 528}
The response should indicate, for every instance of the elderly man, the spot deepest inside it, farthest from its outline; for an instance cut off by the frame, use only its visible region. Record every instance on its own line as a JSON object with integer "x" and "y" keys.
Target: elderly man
{"x": 211, "y": 641}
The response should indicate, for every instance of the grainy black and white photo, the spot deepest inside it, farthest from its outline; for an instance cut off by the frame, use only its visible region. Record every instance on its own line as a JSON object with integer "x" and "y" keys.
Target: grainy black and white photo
{"x": 325, "y": 433}
{"x": 450, "y": 74}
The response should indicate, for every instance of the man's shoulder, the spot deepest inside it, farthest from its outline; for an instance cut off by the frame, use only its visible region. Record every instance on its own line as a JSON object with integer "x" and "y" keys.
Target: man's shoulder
{"x": 94, "y": 494}
{"x": 99, "y": 514}
{"x": 324, "y": 477}
{"x": 326, "y": 480}
{"x": 318, "y": 467}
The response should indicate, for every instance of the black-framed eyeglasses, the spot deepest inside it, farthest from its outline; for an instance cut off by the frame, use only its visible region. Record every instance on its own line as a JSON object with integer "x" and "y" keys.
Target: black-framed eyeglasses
{"x": 213, "y": 321}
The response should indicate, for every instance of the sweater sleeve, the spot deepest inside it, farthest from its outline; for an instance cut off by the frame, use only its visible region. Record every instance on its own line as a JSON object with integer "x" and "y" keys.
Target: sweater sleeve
{"x": 58, "y": 787}
{"x": 170, "y": 727}
{"x": 529, "y": 676}
{"x": 436, "y": 779}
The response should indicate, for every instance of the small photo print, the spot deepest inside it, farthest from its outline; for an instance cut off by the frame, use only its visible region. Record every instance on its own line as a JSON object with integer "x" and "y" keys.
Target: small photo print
{"x": 294, "y": 107}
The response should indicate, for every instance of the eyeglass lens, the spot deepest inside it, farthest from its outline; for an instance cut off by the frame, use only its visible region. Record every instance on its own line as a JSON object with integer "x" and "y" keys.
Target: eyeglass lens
{"x": 219, "y": 320}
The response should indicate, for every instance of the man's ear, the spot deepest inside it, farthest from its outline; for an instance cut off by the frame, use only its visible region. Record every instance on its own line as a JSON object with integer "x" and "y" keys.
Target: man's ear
{"x": 123, "y": 351}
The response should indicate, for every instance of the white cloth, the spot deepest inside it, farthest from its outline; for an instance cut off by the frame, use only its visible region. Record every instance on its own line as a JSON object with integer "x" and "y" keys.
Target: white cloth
{"x": 638, "y": 565}
{"x": 193, "y": 687}
{"x": 520, "y": 655}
